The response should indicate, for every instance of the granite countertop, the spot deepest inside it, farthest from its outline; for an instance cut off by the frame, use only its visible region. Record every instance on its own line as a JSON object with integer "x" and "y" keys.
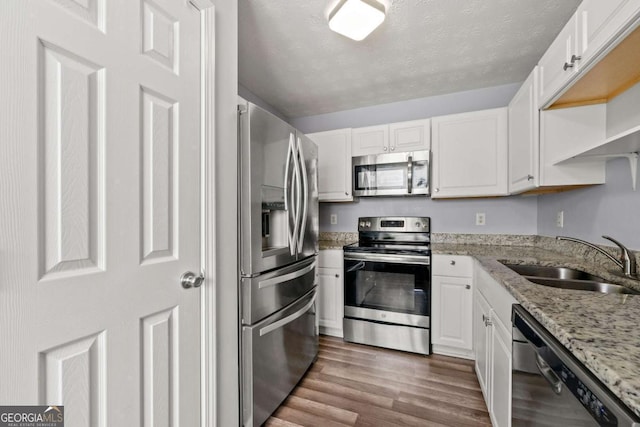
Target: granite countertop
{"x": 336, "y": 240}
{"x": 600, "y": 330}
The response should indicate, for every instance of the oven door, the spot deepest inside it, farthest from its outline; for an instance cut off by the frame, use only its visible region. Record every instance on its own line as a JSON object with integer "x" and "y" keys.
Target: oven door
{"x": 388, "y": 288}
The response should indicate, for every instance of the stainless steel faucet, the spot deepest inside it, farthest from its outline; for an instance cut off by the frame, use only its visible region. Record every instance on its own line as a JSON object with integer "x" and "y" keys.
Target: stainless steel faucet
{"x": 627, "y": 260}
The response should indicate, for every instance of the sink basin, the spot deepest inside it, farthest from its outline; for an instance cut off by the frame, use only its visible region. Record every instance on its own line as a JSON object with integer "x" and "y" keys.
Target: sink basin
{"x": 583, "y": 285}
{"x": 552, "y": 272}
{"x": 568, "y": 278}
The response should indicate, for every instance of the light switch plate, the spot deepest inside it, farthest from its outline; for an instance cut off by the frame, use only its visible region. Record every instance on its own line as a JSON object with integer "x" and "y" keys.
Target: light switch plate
{"x": 480, "y": 218}
{"x": 333, "y": 219}
{"x": 560, "y": 219}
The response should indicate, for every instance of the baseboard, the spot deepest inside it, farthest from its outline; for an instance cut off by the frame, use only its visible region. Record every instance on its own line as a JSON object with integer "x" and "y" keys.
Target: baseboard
{"x": 334, "y": 332}
{"x": 453, "y": 352}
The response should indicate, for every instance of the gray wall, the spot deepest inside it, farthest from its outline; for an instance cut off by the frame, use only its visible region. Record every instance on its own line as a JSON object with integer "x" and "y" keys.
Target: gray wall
{"x": 612, "y": 209}
{"x": 506, "y": 215}
{"x": 421, "y": 108}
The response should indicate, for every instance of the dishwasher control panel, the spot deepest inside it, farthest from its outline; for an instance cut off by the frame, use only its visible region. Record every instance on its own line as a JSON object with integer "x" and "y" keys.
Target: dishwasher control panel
{"x": 588, "y": 399}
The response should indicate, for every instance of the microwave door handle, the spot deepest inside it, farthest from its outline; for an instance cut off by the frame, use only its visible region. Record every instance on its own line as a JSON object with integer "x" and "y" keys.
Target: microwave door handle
{"x": 305, "y": 196}
{"x": 410, "y": 175}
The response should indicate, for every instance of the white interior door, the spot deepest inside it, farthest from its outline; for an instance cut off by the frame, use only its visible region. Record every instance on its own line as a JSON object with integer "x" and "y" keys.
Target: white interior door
{"x": 100, "y": 212}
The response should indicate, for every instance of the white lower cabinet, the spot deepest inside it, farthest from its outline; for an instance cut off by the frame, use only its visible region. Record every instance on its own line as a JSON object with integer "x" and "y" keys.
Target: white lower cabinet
{"x": 492, "y": 343}
{"x": 451, "y": 307}
{"x": 330, "y": 292}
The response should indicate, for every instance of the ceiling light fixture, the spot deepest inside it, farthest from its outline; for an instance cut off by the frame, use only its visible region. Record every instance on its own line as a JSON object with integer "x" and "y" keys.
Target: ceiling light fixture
{"x": 356, "y": 19}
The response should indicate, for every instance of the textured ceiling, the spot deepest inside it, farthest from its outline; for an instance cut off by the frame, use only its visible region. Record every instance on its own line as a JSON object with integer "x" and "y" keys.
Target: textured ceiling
{"x": 290, "y": 58}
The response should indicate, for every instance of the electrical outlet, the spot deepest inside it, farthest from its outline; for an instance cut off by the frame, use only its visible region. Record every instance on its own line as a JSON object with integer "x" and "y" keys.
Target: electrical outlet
{"x": 560, "y": 219}
{"x": 480, "y": 218}
{"x": 334, "y": 219}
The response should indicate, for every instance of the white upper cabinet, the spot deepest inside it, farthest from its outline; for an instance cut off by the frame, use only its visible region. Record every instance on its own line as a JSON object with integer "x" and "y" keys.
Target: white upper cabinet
{"x": 392, "y": 138}
{"x": 470, "y": 154}
{"x": 524, "y": 121}
{"x": 370, "y": 140}
{"x": 334, "y": 165}
{"x": 538, "y": 147}
{"x": 603, "y": 20}
{"x": 562, "y": 60}
{"x": 410, "y": 136}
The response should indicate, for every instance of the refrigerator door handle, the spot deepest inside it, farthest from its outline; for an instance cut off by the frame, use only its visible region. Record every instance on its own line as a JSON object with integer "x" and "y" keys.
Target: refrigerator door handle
{"x": 282, "y": 322}
{"x": 305, "y": 195}
{"x": 290, "y": 184}
{"x": 298, "y": 196}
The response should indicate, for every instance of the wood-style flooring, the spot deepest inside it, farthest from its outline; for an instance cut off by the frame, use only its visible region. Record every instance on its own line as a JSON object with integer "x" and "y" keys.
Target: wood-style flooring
{"x": 357, "y": 385}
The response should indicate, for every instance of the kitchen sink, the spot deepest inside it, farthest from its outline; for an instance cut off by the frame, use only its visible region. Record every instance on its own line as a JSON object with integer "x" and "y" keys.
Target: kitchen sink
{"x": 583, "y": 285}
{"x": 552, "y": 272}
{"x": 568, "y": 278}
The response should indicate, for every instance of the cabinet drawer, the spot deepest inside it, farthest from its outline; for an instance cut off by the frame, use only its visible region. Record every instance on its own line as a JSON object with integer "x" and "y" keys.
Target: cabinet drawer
{"x": 452, "y": 265}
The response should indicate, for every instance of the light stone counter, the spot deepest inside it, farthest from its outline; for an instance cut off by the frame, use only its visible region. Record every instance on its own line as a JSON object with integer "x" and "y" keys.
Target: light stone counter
{"x": 602, "y": 331}
{"x": 336, "y": 240}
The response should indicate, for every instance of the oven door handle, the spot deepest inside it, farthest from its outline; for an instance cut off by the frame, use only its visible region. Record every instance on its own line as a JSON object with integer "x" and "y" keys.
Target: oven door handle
{"x": 358, "y": 266}
{"x": 549, "y": 375}
{"x": 396, "y": 259}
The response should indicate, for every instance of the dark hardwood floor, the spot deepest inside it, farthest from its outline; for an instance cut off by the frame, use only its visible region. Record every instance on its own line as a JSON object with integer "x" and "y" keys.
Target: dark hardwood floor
{"x": 357, "y": 385}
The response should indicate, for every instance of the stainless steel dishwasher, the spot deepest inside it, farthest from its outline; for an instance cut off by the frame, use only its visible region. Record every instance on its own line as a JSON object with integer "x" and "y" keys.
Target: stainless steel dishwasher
{"x": 550, "y": 387}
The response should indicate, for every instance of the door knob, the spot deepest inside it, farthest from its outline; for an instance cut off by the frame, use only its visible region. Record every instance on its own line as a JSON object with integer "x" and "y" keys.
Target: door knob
{"x": 190, "y": 280}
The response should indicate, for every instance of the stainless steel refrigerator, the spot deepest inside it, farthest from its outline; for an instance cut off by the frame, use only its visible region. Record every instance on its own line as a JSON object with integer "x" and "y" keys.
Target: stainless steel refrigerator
{"x": 278, "y": 251}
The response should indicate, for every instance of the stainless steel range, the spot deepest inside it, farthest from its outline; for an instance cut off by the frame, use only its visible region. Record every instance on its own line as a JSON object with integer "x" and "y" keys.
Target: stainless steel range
{"x": 387, "y": 284}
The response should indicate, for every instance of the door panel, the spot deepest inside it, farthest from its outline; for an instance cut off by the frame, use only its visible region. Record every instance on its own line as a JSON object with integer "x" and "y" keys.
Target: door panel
{"x": 265, "y": 142}
{"x": 101, "y": 212}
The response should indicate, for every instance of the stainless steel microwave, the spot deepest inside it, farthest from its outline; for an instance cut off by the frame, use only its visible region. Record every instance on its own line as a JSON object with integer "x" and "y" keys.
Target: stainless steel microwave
{"x": 397, "y": 174}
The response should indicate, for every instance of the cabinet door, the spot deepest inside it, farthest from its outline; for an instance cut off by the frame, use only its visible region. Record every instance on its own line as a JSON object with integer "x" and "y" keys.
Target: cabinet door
{"x": 602, "y": 21}
{"x": 410, "y": 136}
{"x": 334, "y": 164}
{"x": 524, "y": 139}
{"x": 470, "y": 154}
{"x": 370, "y": 140}
{"x": 500, "y": 373}
{"x": 331, "y": 300}
{"x": 482, "y": 342}
{"x": 553, "y": 73}
{"x": 451, "y": 309}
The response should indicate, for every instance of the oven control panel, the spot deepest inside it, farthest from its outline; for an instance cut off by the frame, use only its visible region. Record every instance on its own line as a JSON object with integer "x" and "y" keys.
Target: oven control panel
{"x": 403, "y": 224}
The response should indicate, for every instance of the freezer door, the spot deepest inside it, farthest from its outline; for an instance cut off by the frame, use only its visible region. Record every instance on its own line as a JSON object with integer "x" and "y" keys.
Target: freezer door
{"x": 275, "y": 355}
{"x": 309, "y": 229}
{"x": 265, "y": 294}
{"x": 265, "y": 146}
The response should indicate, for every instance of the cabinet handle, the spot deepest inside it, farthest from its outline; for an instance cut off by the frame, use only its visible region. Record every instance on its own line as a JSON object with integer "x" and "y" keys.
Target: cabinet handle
{"x": 346, "y": 193}
{"x": 467, "y": 286}
{"x": 384, "y": 148}
{"x": 337, "y": 276}
{"x": 437, "y": 190}
{"x": 567, "y": 65}
{"x": 452, "y": 262}
{"x": 529, "y": 177}
{"x": 575, "y": 58}
{"x": 393, "y": 148}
